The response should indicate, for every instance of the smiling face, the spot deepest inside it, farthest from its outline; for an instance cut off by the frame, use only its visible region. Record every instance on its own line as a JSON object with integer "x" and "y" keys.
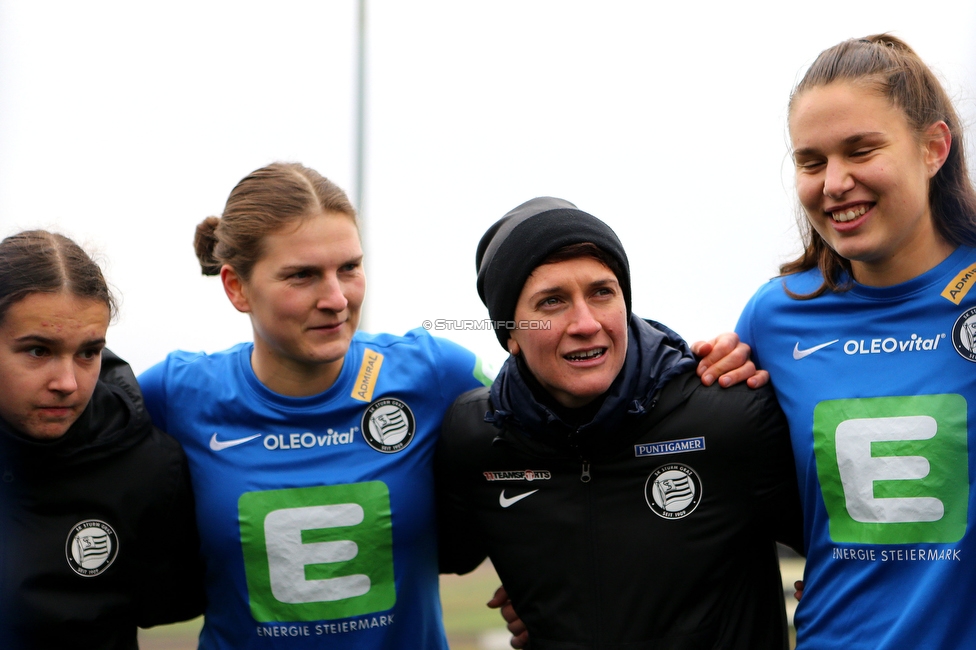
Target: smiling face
{"x": 50, "y": 356}
{"x": 862, "y": 176}
{"x": 584, "y": 349}
{"x": 304, "y": 297}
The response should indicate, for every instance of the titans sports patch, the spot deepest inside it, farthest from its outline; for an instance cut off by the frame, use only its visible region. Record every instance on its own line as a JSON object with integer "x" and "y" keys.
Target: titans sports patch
{"x": 91, "y": 547}
{"x": 519, "y": 475}
{"x": 673, "y": 491}
{"x": 388, "y": 425}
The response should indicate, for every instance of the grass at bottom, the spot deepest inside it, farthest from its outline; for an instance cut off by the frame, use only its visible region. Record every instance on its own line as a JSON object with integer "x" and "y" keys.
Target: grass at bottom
{"x": 470, "y": 625}
{"x": 179, "y": 636}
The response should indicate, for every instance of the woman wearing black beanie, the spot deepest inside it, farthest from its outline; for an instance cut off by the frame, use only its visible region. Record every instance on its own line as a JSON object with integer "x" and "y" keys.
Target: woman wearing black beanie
{"x": 623, "y": 503}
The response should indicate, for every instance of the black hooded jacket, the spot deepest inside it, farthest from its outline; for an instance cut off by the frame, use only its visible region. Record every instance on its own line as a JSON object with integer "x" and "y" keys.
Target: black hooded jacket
{"x": 646, "y": 523}
{"x": 97, "y": 528}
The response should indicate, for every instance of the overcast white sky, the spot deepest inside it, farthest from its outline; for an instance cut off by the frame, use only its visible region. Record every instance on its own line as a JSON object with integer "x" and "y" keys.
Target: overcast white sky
{"x": 124, "y": 124}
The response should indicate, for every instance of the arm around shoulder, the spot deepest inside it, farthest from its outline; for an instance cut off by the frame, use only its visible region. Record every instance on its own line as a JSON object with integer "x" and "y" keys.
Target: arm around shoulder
{"x": 773, "y": 472}
{"x": 172, "y": 587}
{"x": 153, "y": 386}
{"x": 461, "y": 547}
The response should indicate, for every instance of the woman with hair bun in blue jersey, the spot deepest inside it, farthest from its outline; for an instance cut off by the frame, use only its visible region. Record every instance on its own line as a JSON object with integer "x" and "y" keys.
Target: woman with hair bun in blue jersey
{"x": 868, "y": 337}
{"x": 310, "y": 449}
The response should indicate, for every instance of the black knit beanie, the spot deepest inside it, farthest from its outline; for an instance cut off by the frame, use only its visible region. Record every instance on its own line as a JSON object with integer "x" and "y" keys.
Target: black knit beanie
{"x": 522, "y": 239}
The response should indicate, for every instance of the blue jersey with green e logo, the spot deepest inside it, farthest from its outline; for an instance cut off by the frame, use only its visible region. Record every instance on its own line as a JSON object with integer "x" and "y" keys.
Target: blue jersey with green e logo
{"x": 879, "y": 386}
{"x": 316, "y": 514}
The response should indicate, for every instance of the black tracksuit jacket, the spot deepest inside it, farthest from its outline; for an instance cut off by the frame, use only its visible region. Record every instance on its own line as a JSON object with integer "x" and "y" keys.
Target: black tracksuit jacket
{"x": 112, "y": 467}
{"x": 654, "y": 533}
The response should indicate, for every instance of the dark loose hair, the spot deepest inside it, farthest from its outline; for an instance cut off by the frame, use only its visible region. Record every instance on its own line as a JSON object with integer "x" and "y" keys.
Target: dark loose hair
{"x": 38, "y": 261}
{"x": 262, "y": 203}
{"x": 887, "y": 65}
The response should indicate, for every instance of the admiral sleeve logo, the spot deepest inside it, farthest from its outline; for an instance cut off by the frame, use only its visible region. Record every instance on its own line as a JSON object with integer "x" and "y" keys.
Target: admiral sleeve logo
{"x": 369, "y": 371}
{"x": 91, "y": 547}
{"x": 388, "y": 425}
{"x": 960, "y": 285}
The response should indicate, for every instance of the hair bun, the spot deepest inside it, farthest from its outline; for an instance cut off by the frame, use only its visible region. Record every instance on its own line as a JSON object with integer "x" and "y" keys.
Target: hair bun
{"x": 204, "y": 243}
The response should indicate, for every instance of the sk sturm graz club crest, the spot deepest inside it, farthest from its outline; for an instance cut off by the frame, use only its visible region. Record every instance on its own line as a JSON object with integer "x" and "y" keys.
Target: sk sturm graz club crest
{"x": 673, "y": 491}
{"x": 91, "y": 547}
{"x": 964, "y": 335}
{"x": 388, "y": 425}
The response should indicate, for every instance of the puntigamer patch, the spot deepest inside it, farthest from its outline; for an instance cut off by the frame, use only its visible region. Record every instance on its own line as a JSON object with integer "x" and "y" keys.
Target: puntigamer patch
{"x": 670, "y": 447}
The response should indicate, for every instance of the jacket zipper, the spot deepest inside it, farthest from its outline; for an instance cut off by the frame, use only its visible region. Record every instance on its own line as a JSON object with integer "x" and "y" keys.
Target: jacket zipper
{"x": 585, "y": 476}
{"x": 595, "y": 594}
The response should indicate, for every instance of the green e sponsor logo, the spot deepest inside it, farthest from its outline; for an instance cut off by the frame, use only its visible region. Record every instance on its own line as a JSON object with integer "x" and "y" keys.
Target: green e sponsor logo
{"x": 318, "y": 553}
{"x": 894, "y": 470}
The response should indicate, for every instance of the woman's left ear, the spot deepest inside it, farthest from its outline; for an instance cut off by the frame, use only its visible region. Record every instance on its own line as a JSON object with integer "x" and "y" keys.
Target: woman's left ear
{"x": 234, "y": 288}
{"x": 938, "y": 142}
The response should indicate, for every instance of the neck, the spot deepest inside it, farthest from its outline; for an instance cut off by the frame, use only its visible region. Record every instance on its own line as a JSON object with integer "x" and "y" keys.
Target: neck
{"x": 911, "y": 263}
{"x": 292, "y": 378}
{"x": 572, "y": 416}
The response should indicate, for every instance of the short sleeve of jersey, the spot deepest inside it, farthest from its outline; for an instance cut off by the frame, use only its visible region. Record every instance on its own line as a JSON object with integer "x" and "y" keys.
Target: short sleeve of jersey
{"x": 747, "y": 327}
{"x": 744, "y": 327}
{"x": 458, "y": 369}
{"x": 153, "y": 385}
{"x": 158, "y": 382}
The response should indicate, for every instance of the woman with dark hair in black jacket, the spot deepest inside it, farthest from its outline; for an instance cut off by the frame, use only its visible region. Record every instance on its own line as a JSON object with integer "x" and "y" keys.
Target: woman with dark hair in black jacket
{"x": 97, "y": 529}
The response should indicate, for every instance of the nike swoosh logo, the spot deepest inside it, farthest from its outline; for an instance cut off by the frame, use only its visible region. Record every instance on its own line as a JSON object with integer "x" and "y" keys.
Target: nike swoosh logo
{"x": 505, "y": 502}
{"x": 799, "y": 354}
{"x": 220, "y": 445}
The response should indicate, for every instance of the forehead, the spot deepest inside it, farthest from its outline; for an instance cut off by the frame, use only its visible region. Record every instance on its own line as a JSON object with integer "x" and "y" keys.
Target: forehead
{"x": 585, "y": 269}
{"x": 317, "y": 239}
{"x": 841, "y": 109}
{"x": 56, "y": 316}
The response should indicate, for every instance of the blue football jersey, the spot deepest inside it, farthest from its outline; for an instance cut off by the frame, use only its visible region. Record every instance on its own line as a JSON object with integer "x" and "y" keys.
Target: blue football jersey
{"x": 879, "y": 387}
{"x": 316, "y": 514}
